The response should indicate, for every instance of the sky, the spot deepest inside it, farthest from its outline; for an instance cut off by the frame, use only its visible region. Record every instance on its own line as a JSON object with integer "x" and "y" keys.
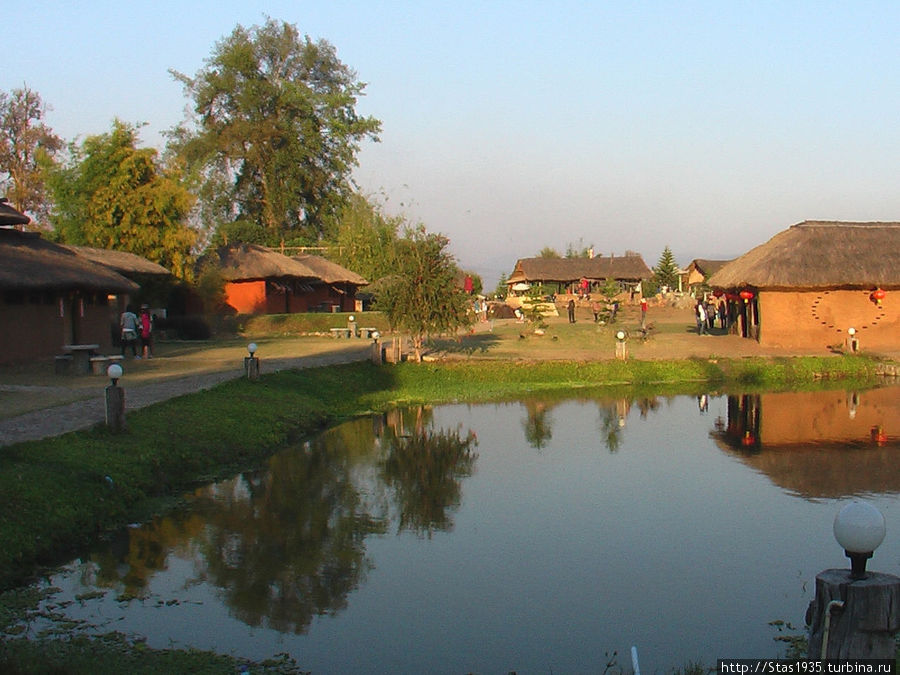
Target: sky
{"x": 509, "y": 127}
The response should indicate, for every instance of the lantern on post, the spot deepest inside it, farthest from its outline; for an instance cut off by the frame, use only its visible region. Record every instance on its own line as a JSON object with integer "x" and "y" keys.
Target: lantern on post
{"x": 251, "y": 363}
{"x": 115, "y": 399}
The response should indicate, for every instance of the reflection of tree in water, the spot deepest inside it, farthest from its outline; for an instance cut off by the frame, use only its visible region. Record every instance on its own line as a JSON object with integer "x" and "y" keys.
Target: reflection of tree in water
{"x": 538, "y": 424}
{"x": 612, "y": 423}
{"x": 295, "y": 547}
{"x": 424, "y": 469}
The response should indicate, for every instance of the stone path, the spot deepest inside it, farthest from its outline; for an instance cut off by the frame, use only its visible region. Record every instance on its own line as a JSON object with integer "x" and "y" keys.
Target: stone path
{"x": 86, "y": 413}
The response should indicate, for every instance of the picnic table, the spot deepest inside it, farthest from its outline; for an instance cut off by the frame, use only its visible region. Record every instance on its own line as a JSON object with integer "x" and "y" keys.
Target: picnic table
{"x": 81, "y": 356}
{"x": 340, "y": 332}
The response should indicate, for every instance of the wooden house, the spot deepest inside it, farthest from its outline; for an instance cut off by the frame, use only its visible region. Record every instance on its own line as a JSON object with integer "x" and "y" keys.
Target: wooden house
{"x": 259, "y": 280}
{"x": 699, "y": 271}
{"x": 574, "y": 275}
{"x": 810, "y": 284}
{"x": 51, "y": 297}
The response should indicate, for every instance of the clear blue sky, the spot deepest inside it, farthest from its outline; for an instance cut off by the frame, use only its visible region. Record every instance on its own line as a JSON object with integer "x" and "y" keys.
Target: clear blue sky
{"x": 510, "y": 126}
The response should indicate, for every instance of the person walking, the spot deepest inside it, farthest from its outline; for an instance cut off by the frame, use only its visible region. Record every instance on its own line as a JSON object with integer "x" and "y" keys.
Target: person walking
{"x": 146, "y": 329}
{"x": 128, "y": 325}
{"x": 700, "y": 314}
{"x": 571, "y": 308}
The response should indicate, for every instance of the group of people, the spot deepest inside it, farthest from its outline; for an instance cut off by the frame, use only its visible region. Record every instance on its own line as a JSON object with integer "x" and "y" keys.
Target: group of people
{"x": 135, "y": 329}
{"x": 706, "y": 313}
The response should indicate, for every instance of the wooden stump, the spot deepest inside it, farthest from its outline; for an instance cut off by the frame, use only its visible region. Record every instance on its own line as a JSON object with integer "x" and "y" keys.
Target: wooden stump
{"x": 251, "y": 367}
{"x": 115, "y": 407}
{"x": 864, "y": 627}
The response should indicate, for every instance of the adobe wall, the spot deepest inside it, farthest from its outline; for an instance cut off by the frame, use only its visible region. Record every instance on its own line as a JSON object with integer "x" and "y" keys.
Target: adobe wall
{"x": 819, "y": 319}
{"x": 247, "y": 297}
{"x": 31, "y": 331}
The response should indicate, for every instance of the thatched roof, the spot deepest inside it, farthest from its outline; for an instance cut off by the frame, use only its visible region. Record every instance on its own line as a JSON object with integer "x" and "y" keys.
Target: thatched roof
{"x": 9, "y": 216}
{"x": 30, "y": 263}
{"x": 330, "y": 272}
{"x": 121, "y": 261}
{"x": 819, "y": 254}
{"x": 250, "y": 262}
{"x": 629, "y": 267}
{"x": 708, "y": 267}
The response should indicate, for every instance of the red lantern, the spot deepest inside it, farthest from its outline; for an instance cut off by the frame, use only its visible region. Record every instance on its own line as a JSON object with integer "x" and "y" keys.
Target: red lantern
{"x": 718, "y": 293}
{"x": 878, "y": 294}
{"x": 747, "y": 295}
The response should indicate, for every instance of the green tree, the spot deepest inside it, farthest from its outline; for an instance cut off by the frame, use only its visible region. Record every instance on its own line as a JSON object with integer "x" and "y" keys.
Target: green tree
{"x": 366, "y": 239}
{"x": 112, "y": 194}
{"x": 27, "y": 148}
{"x": 274, "y": 133}
{"x": 423, "y": 296}
{"x": 666, "y": 271}
{"x": 502, "y": 289}
{"x": 548, "y": 252}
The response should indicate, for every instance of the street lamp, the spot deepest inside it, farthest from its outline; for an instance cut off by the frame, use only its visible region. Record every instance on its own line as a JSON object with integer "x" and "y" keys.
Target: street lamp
{"x": 114, "y": 372}
{"x": 859, "y": 528}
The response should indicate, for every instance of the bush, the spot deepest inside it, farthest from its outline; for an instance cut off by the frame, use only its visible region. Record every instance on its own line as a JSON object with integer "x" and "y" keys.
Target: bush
{"x": 183, "y": 328}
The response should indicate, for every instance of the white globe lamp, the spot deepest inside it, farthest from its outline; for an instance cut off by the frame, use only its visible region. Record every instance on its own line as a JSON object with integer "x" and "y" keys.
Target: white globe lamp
{"x": 859, "y": 528}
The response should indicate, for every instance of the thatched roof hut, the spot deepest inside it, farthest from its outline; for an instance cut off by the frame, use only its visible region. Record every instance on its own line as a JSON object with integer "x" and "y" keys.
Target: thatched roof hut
{"x": 330, "y": 272}
{"x": 819, "y": 255}
{"x": 30, "y": 263}
{"x": 126, "y": 264}
{"x": 9, "y": 216}
{"x": 569, "y": 270}
{"x": 250, "y": 262}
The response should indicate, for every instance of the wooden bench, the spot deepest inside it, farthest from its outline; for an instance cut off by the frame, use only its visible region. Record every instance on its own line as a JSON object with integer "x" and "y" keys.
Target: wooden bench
{"x": 340, "y": 332}
{"x": 99, "y": 364}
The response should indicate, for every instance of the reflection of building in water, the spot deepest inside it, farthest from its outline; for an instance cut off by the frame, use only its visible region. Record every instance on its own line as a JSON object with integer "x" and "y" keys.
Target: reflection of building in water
{"x": 818, "y": 444}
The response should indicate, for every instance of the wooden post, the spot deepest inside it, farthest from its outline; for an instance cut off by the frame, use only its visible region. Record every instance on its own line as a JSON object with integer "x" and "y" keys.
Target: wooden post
{"x": 251, "y": 367}
{"x": 377, "y": 354}
{"x": 860, "y": 616}
{"x": 115, "y": 407}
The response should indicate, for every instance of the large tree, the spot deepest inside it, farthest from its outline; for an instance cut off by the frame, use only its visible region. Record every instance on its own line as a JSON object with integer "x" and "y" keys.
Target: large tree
{"x": 112, "y": 194}
{"x": 273, "y": 133}
{"x": 27, "y": 146}
{"x": 423, "y": 297}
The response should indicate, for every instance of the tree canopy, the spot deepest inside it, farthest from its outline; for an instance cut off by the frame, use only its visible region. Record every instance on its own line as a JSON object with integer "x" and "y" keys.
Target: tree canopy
{"x": 111, "y": 194}
{"x": 274, "y": 133}
{"x": 423, "y": 296}
{"x": 27, "y": 146}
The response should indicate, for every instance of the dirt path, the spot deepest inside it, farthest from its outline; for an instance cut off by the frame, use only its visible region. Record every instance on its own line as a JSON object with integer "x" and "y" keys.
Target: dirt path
{"x": 91, "y": 411}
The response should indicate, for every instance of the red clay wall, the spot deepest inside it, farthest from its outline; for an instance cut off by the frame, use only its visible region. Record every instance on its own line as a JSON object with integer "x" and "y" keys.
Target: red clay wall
{"x": 820, "y": 319}
{"x": 247, "y": 297}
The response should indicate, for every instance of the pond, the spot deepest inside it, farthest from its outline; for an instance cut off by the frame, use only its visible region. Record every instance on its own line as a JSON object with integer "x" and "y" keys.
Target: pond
{"x": 535, "y": 536}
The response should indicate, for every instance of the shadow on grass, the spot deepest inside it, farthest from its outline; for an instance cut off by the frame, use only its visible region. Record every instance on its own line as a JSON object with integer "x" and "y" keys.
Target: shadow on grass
{"x": 466, "y": 344}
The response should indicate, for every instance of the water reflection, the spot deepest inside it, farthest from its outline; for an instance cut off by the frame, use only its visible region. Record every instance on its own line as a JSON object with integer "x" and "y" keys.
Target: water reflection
{"x": 287, "y": 543}
{"x": 818, "y": 444}
{"x": 560, "y": 538}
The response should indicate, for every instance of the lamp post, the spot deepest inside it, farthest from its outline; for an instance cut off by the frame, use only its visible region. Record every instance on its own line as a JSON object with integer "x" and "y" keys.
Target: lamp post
{"x": 115, "y": 399}
{"x": 251, "y": 363}
{"x": 621, "y": 350}
{"x": 852, "y": 340}
{"x": 859, "y": 529}
{"x": 377, "y": 355}
{"x": 855, "y": 613}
